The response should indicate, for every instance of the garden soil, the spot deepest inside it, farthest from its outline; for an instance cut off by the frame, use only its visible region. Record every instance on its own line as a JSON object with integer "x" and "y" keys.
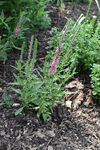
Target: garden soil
{"x": 65, "y": 129}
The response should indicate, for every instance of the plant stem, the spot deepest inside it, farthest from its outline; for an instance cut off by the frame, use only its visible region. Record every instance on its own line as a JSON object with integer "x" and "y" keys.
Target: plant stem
{"x": 88, "y": 10}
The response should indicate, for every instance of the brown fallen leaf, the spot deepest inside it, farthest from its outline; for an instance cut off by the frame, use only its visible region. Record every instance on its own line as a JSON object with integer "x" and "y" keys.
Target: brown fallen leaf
{"x": 75, "y": 84}
{"x": 78, "y": 100}
{"x": 52, "y": 125}
{"x": 89, "y": 98}
{"x": 76, "y": 96}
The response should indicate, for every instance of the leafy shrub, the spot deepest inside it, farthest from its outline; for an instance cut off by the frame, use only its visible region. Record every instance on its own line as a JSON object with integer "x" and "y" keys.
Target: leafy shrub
{"x": 85, "y": 46}
{"x": 34, "y": 11}
{"x": 95, "y": 80}
{"x": 34, "y": 17}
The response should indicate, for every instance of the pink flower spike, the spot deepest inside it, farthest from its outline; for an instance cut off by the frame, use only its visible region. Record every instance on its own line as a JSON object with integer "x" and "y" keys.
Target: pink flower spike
{"x": 18, "y": 25}
{"x": 55, "y": 60}
{"x": 16, "y": 31}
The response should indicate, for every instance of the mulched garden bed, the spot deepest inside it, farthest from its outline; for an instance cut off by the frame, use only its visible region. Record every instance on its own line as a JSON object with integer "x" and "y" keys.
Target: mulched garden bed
{"x": 65, "y": 129}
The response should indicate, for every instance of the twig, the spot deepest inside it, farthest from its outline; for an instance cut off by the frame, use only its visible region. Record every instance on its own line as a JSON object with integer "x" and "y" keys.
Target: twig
{"x": 48, "y": 143}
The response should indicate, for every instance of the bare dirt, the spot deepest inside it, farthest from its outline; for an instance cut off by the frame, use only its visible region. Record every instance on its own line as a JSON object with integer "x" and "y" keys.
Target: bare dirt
{"x": 65, "y": 129}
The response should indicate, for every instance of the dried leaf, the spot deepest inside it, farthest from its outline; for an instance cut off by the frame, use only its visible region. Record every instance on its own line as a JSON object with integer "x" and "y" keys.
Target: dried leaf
{"x": 79, "y": 111}
{"x": 89, "y": 98}
{"x": 55, "y": 104}
{"x": 52, "y": 125}
{"x": 76, "y": 95}
{"x": 95, "y": 113}
{"x": 68, "y": 104}
{"x": 78, "y": 100}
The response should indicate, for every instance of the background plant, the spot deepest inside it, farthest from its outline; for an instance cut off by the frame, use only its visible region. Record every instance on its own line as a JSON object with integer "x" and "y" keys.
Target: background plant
{"x": 34, "y": 10}
{"x": 84, "y": 49}
{"x": 85, "y": 46}
{"x": 35, "y": 17}
{"x": 95, "y": 80}
{"x": 6, "y": 99}
{"x": 77, "y": 1}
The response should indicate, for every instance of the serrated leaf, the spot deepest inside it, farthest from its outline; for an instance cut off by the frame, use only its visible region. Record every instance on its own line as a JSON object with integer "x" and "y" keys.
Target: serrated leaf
{"x": 18, "y": 111}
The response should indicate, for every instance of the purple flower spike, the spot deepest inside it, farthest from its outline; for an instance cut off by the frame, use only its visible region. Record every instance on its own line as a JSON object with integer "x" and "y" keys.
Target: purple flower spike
{"x": 18, "y": 25}
{"x": 55, "y": 61}
{"x": 16, "y": 31}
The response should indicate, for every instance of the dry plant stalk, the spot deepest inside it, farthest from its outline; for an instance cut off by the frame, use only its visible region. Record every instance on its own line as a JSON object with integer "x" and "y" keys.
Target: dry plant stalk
{"x": 61, "y": 8}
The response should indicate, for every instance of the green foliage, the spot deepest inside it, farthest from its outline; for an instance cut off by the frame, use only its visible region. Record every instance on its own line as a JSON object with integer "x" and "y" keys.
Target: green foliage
{"x": 6, "y": 99}
{"x": 80, "y": 46}
{"x": 34, "y": 11}
{"x": 33, "y": 15}
{"x": 78, "y": 1}
{"x": 39, "y": 91}
{"x": 85, "y": 46}
{"x": 95, "y": 80}
{"x": 82, "y": 42}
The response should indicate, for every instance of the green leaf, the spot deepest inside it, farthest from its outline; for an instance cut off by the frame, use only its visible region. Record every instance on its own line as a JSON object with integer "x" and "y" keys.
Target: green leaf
{"x": 15, "y": 83}
{"x": 18, "y": 79}
{"x": 2, "y": 104}
{"x": 38, "y": 85}
{"x": 97, "y": 5}
{"x": 59, "y": 102}
{"x": 2, "y": 15}
{"x": 2, "y": 2}
{"x": 46, "y": 115}
{"x": 18, "y": 111}
{"x": 94, "y": 93}
{"x": 8, "y": 19}
{"x": 17, "y": 47}
{"x": 17, "y": 91}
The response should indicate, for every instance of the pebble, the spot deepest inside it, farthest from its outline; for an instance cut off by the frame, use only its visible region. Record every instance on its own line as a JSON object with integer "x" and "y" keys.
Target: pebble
{"x": 50, "y": 148}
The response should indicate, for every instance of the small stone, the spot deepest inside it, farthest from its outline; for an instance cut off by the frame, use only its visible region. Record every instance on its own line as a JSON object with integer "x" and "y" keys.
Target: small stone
{"x": 16, "y": 105}
{"x": 2, "y": 133}
{"x": 0, "y": 89}
{"x": 50, "y": 133}
{"x": 39, "y": 134}
{"x": 50, "y": 148}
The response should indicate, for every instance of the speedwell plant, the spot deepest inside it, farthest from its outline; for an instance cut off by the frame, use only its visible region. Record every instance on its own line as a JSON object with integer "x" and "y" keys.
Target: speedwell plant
{"x": 38, "y": 90}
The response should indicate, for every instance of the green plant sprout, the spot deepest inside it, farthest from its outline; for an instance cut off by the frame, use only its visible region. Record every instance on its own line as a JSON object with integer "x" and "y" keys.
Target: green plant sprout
{"x": 7, "y": 100}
